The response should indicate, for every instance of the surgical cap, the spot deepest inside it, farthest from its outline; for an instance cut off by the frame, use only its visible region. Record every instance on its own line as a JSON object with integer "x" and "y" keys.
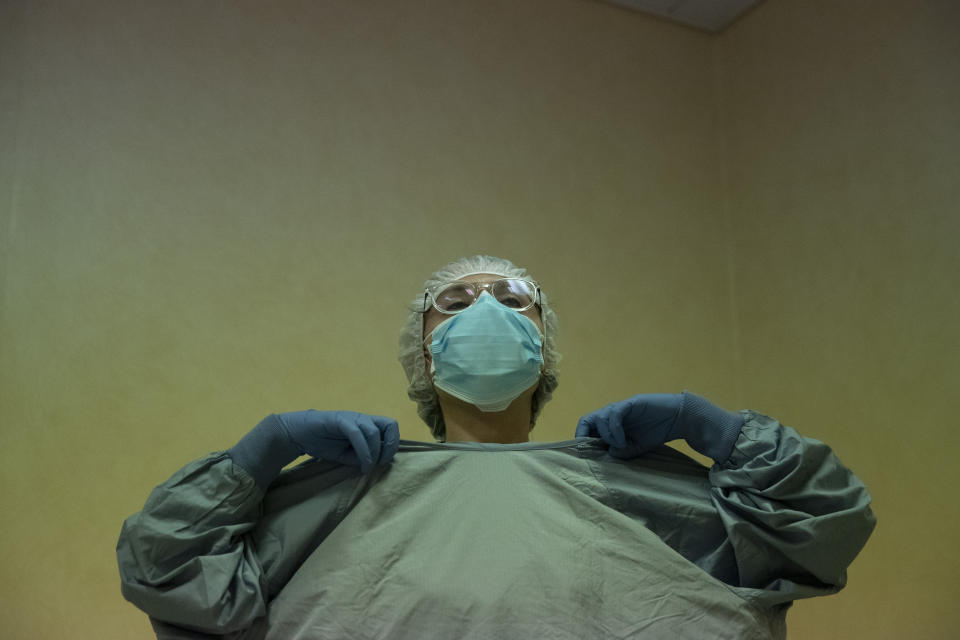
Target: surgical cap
{"x": 411, "y": 355}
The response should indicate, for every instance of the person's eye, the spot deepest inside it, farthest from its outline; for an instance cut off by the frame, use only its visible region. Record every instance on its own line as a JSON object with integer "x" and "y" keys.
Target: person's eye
{"x": 456, "y": 306}
{"x": 511, "y": 302}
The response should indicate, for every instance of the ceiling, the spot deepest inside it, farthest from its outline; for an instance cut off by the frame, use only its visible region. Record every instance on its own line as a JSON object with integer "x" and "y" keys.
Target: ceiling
{"x": 709, "y": 15}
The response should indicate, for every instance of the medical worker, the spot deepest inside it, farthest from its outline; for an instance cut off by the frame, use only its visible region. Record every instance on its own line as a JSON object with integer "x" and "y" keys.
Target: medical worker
{"x": 484, "y": 534}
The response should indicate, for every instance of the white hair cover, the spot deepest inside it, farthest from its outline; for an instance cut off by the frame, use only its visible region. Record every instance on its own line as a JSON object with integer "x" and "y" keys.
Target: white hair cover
{"x": 411, "y": 355}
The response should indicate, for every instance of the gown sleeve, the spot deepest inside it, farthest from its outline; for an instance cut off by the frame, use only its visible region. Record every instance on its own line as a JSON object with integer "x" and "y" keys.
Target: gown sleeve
{"x": 186, "y": 558}
{"x": 210, "y": 548}
{"x": 795, "y": 517}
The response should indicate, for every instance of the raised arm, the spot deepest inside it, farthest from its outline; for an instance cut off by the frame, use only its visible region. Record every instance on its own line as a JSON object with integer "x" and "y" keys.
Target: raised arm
{"x": 791, "y": 516}
{"x": 188, "y": 557}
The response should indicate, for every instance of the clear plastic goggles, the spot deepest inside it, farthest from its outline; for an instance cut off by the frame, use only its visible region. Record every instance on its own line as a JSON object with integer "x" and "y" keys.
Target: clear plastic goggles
{"x": 453, "y": 297}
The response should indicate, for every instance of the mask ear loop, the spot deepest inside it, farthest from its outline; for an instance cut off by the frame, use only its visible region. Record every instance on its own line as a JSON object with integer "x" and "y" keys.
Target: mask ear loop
{"x": 432, "y": 371}
{"x": 543, "y": 334}
{"x": 426, "y": 353}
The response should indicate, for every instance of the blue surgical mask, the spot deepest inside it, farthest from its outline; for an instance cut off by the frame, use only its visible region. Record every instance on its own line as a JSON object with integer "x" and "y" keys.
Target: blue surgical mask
{"x": 487, "y": 355}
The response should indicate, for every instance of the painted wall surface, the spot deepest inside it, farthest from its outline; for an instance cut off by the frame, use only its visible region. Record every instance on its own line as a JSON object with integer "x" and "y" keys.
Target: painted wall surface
{"x": 843, "y": 187}
{"x": 212, "y": 211}
{"x": 215, "y": 211}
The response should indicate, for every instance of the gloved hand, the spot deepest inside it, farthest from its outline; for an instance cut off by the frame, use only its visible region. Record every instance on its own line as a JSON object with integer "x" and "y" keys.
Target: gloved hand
{"x": 346, "y": 437}
{"x": 634, "y": 426}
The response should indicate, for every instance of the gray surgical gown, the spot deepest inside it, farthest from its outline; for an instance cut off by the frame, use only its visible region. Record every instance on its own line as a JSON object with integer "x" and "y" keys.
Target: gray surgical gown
{"x": 476, "y": 540}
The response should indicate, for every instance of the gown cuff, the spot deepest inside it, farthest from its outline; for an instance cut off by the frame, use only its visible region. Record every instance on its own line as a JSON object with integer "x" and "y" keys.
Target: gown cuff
{"x": 707, "y": 428}
{"x": 265, "y": 451}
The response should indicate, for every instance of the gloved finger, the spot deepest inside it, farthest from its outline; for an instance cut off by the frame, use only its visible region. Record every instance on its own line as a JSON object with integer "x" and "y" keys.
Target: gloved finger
{"x": 612, "y": 433}
{"x": 611, "y": 427}
{"x": 346, "y": 423}
{"x": 639, "y": 435}
{"x": 586, "y": 428}
{"x": 390, "y": 436}
{"x": 371, "y": 435}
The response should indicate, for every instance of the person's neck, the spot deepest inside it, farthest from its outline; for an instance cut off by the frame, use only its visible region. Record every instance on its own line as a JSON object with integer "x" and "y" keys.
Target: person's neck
{"x": 466, "y": 423}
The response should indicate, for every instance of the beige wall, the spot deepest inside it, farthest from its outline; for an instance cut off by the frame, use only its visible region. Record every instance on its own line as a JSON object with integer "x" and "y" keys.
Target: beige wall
{"x": 211, "y": 212}
{"x": 841, "y": 132}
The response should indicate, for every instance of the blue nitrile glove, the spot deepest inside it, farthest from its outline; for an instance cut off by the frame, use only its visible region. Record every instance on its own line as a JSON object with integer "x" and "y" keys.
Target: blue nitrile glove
{"x": 346, "y": 437}
{"x": 641, "y": 423}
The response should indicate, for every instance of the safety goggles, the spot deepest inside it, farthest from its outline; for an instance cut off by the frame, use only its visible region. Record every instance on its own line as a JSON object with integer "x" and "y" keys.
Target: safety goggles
{"x": 453, "y": 297}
